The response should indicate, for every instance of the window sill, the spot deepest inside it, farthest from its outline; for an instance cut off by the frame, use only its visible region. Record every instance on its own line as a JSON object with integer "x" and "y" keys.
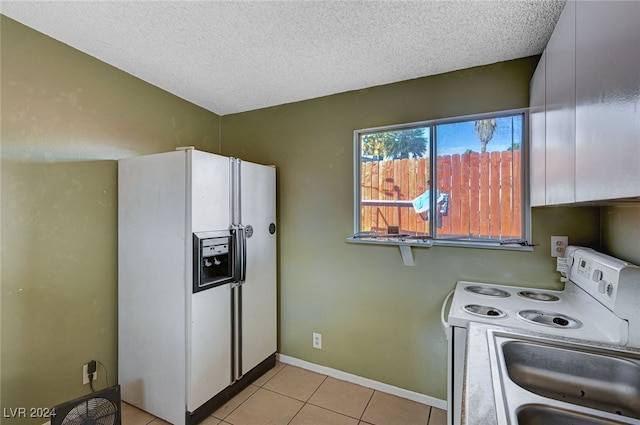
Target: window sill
{"x": 383, "y": 240}
{"x": 405, "y": 244}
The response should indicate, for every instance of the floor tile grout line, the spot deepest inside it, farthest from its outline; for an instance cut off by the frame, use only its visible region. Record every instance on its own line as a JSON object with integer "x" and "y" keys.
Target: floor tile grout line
{"x": 367, "y": 405}
{"x": 274, "y": 375}
{"x": 297, "y": 413}
{"x": 318, "y": 387}
{"x": 429, "y": 415}
{"x": 334, "y": 411}
{"x": 241, "y": 403}
{"x": 252, "y": 394}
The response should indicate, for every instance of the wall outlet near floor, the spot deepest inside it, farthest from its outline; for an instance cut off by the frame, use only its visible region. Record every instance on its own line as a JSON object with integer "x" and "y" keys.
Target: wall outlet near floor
{"x": 85, "y": 374}
{"x": 559, "y": 245}
{"x": 317, "y": 341}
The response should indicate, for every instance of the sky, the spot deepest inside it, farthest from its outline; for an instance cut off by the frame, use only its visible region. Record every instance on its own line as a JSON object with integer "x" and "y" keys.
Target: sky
{"x": 457, "y": 138}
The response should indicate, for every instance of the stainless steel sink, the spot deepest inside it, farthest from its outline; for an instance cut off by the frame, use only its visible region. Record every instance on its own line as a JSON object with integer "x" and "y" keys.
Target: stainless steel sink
{"x": 536, "y": 414}
{"x": 591, "y": 379}
{"x": 550, "y": 381}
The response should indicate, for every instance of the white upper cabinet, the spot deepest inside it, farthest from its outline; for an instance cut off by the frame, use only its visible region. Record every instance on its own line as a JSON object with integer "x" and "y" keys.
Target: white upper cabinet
{"x": 560, "y": 109}
{"x": 537, "y": 142}
{"x": 607, "y": 100}
{"x": 590, "y": 133}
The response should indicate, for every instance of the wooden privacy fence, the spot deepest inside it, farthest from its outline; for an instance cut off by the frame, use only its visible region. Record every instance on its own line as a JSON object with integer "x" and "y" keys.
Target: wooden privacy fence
{"x": 483, "y": 191}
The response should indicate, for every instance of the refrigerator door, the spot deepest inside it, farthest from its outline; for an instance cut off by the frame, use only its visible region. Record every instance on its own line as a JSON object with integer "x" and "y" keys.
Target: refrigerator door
{"x": 258, "y": 292}
{"x": 209, "y": 325}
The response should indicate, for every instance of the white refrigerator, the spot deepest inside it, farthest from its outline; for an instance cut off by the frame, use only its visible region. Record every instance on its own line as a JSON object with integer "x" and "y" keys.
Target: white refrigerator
{"x": 196, "y": 280}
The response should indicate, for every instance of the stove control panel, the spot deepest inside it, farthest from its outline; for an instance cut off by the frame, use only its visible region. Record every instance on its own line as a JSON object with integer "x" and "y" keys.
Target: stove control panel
{"x": 596, "y": 273}
{"x": 604, "y": 277}
{"x": 611, "y": 281}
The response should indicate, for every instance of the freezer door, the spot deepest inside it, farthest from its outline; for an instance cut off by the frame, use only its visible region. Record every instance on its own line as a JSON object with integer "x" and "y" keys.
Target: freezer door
{"x": 259, "y": 299}
{"x": 209, "y": 311}
{"x": 210, "y": 352}
{"x": 211, "y": 194}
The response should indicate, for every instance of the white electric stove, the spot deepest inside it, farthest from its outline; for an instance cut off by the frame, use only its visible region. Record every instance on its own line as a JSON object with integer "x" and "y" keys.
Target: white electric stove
{"x": 600, "y": 302}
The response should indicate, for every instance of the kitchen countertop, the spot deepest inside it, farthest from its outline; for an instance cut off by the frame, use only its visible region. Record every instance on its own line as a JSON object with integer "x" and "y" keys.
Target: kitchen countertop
{"x": 479, "y": 403}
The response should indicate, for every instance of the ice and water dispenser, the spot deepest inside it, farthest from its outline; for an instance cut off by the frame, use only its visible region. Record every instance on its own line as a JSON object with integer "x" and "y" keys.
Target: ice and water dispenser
{"x": 213, "y": 262}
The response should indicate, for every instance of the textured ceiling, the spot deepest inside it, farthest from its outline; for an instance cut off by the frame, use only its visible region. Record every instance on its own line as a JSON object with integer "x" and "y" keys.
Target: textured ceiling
{"x": 235, "y": 56}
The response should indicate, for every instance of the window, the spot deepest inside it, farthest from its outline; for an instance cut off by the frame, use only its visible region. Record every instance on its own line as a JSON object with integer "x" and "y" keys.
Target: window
{"x": 458, "y": 180}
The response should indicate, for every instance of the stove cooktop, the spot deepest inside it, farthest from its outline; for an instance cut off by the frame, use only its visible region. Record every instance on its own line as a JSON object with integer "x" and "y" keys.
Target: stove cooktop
{"x": 570, "y": 312}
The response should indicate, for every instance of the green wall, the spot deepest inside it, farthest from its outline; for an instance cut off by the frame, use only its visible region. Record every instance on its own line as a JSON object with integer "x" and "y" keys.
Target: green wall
{"x": 621, "y": 231}
{"x": 66, "y": 119}
{"x": 378, "y": 318}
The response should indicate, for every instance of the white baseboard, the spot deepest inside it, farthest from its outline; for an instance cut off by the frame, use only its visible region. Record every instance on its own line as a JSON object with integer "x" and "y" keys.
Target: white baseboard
{"x": 365, "y": 382}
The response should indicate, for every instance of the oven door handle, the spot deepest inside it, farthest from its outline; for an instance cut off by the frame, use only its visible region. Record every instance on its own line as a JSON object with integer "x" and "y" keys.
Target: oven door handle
{"x": 445, "y": 325}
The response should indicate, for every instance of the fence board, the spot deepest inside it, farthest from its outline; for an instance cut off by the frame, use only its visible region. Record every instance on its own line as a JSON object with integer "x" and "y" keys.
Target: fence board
{"x": 464, "y": 194}
{"x": 422, "y": 175}
{"x": 485, "y": 209}
{"x": 404, "y": 193}
{"x": 516, "y": 224}
{"x": 494, "y": 200}
{"x": 474, "y": 194}
{"x": 422, "y": 184}
{"x": 444, "y": 186}
{"x": 365, "y": 192}
{"x": 387, "y": 186}
{"x": 455, "y": 195}
{"x": 375, "y": 194}
{"x": 505, "y": 192}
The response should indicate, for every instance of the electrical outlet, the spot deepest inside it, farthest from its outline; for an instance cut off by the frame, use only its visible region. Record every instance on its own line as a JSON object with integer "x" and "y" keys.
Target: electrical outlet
{"x": 317, "y": 341}
{"x": 85, "y": 375}
{"x": 559, "y": 245}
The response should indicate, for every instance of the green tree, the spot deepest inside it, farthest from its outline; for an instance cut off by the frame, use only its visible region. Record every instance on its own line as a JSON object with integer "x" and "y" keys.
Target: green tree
{"x": 484, "y": 131}
{"x": 395, "y": 144}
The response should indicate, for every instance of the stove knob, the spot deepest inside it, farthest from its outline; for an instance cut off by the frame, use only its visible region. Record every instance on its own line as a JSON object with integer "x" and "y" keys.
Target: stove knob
{"x": 597, "y": 275}
{"x": 604, "y": 287}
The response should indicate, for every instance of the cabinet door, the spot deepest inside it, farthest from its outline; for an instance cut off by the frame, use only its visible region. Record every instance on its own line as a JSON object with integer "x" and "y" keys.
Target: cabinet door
{"x": 537, "y": 138}
{"x": 607, "y": 100}
{"x": 560, "y": 110}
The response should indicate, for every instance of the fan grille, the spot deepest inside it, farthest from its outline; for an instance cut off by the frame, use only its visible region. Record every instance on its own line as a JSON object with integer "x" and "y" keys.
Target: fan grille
{"x": 93, "y": 411}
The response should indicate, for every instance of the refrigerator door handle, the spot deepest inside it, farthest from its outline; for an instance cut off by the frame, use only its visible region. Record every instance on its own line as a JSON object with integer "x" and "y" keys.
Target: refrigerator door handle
{"x": 240, "y": 253}
{"x": 242, "y": 259}
{"x": 243, "y": 275}
{"x": 237, "y": 254}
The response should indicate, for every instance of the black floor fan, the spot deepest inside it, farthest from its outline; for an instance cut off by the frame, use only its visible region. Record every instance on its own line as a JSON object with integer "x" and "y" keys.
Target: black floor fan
{"x": 98, "y": 408}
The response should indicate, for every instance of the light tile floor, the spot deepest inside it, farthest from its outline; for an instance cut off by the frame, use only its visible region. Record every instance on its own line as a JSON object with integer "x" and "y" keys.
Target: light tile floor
{"x": 289, "y": 395}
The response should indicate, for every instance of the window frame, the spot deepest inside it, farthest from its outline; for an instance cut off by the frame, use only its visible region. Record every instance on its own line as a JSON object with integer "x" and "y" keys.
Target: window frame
{"x": 432, "y": 240}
